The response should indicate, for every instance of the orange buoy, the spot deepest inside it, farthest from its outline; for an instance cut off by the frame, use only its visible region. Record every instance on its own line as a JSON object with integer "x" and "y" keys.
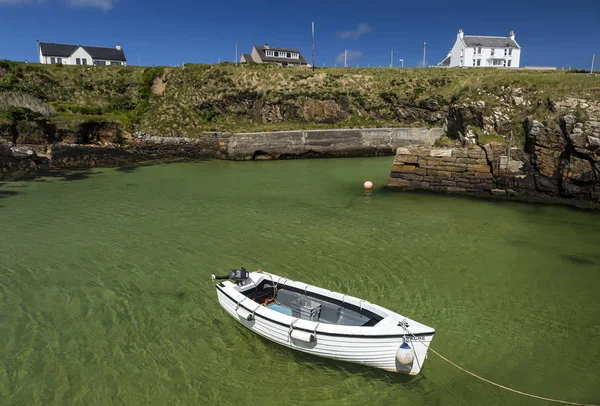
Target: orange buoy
{"x": 368, "y": 185}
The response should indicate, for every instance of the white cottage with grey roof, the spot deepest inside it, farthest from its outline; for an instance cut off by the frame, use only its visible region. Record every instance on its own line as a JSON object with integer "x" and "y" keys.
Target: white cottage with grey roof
{"x": 67, "y": 54}
{"x": 484, "y": 51}
{"x": 268, "y": 54}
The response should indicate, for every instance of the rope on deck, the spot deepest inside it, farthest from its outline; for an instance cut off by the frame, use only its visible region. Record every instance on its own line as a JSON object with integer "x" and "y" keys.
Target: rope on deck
{"x": 506, "y": 387}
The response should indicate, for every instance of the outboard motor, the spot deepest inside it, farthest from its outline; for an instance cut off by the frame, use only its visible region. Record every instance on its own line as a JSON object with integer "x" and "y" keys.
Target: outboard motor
{"x": 237, "y": 275}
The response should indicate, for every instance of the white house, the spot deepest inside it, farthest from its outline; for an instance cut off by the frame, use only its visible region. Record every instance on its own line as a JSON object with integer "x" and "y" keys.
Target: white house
{"x": 50, "y": 53}
{"x": 482, "y": 51}
{"x": 280, "y": 56}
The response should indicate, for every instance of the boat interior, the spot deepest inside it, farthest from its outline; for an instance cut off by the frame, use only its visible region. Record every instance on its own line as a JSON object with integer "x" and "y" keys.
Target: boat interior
{"x": 310, "y": 306}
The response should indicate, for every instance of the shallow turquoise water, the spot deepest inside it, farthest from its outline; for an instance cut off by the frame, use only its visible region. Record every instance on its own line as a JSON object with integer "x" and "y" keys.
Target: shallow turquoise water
{"x": 106, "y": 297}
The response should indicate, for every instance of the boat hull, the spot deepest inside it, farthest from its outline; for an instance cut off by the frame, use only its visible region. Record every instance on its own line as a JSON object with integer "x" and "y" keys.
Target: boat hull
{"x": 376, "y": 350}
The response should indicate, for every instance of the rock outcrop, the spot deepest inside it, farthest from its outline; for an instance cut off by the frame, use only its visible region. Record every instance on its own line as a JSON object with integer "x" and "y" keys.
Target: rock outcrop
{"x": 561, "y": 161}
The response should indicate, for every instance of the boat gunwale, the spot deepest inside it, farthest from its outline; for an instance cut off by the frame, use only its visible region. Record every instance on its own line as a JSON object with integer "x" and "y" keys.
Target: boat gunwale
{"x": 220, "y": 287}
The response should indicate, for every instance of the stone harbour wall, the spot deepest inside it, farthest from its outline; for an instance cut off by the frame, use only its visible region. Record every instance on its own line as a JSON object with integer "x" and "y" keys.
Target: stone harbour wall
{"x": 464, "y": 170}
{"x": 21, "y": 158}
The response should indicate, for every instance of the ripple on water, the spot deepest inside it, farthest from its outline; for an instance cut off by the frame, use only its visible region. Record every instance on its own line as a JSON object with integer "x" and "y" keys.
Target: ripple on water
{"x": 105, "y": 291}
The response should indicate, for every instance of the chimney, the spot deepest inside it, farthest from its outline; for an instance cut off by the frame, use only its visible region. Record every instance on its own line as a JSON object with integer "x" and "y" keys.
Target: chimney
{"x": 511, "y": 35}
{"x": 267, "y": 46}
{"x": 118, "y": 46}
{"x": 460, "y": 33}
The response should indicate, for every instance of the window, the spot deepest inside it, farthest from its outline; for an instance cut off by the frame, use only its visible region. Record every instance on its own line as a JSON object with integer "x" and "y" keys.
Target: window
{"x": 58, "y": 60}
{"x": 493, "y": 51}
{"x": 99, "y": 62}
{"x": 473, "y": 62}
{"x": 504, "y": 63}
{"x": 479, "y": 62}
{"x": 289, "y": 54}
{"x": 505, "y": 52}
{"x": 510, "y": 52}
{"x": 498, "y": 62}
{"x": 113, "y": 63}
{"x": 462, "y": 51}
{"x": 53, "y": 60}
{"x": 78, "y": 61}
{"x": 276, "y": 54}
{"x": 479, "y": 51}
{"x": 509, "y": 63}
{"x": 84, "y": 61}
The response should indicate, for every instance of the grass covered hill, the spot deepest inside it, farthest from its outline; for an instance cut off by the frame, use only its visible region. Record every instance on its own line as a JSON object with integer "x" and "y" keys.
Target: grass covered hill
{"x": 53, "y": 102}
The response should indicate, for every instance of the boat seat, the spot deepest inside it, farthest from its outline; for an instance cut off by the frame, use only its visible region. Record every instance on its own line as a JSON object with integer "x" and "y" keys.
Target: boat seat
{"x": 330, "y": 313}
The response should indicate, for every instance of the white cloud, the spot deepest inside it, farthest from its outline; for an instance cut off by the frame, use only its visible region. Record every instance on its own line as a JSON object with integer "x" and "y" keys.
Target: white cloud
{"x": 363, "y": 28}
{"x": 350, "y": 56}
{"x": 102, "y": 4}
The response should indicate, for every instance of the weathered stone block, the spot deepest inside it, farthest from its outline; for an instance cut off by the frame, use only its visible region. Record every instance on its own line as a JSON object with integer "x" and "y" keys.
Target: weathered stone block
{"x": 475, "y": 153}
{"x": 483, "y": 186}
{"x": 482, "y": 161}
{"x": 396, "y": 182}
{"x": 432, "y": 172}
{"x": 464, "y": 185}
{"x": 410, "y": 159}
{"x": 466, "y": 160}
{"x": 420, "y": 171}
{"x": 478, "y": 168}
{"x": 403, "y": 168}
{"x": 441, "y": 152}
{"x": 448, "y": 183}
{"x": 403, "y": 151}
{"x": 498, "y": 192}
{"x": 421, "y": 185}
{"x": 444, "y": 174}
{"x": 456, "y": 189}
{"x": 430, "y": 178}
{"x": 411, "y": 176}
{"x": 482, "y": 175}
{"x": 455, "y": 168}
{"x": 451, "y": 159}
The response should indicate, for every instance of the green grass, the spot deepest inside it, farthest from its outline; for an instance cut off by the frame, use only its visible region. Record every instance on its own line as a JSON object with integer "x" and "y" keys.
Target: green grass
{"x": 203, "y": 98}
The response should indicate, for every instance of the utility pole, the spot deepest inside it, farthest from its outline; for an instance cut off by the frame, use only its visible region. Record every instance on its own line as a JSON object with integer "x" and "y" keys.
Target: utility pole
{"x": 392, "y": 58}
{"x": 236, "y": 52}
{"x": 424, "y": 52}
{"x": 345, "y": 58}
{"x": 593, "y": 60}
{"x": 313, "y": 46}
{"x": 401, "y": 60}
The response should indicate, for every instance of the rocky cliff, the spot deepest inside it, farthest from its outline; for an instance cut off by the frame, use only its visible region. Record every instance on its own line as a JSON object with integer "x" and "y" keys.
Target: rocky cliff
{"x": 560, "y": 160}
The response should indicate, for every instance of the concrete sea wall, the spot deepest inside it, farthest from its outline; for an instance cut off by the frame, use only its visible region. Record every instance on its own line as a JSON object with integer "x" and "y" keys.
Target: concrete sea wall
{"x": 348, "y": 142}
{"x": 248, "y": 146}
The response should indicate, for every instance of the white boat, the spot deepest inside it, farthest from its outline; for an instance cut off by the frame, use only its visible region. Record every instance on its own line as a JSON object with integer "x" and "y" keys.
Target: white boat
{"x": 324, "y": 323}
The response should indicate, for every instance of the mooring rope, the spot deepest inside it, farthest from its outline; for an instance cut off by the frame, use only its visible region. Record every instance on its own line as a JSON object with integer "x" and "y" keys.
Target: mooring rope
{"x": 506, "y": 387}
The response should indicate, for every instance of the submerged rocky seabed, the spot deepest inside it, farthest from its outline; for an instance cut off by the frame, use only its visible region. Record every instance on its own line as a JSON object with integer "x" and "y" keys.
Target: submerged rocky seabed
{"x": 106, "y": 293}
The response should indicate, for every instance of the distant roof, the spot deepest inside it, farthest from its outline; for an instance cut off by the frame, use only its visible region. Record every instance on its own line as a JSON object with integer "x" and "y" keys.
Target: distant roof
{"x": 445, "y": 62}
{"x": 261, "y": 52}
{"x": 113, "y": 54}
{"x": 492, "y": 42}
{"x": 247, "y": 58}
{"x": 65, "y": 50}
{"x": 49, "y": 48}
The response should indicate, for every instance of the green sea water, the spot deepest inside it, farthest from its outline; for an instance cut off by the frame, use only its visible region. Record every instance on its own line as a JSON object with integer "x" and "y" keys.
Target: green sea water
{"x": 106, "y": 297}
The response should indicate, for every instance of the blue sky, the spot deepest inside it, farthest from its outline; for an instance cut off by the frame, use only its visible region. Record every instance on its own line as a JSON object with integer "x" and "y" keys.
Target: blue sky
{"x": 562, "y": 34}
